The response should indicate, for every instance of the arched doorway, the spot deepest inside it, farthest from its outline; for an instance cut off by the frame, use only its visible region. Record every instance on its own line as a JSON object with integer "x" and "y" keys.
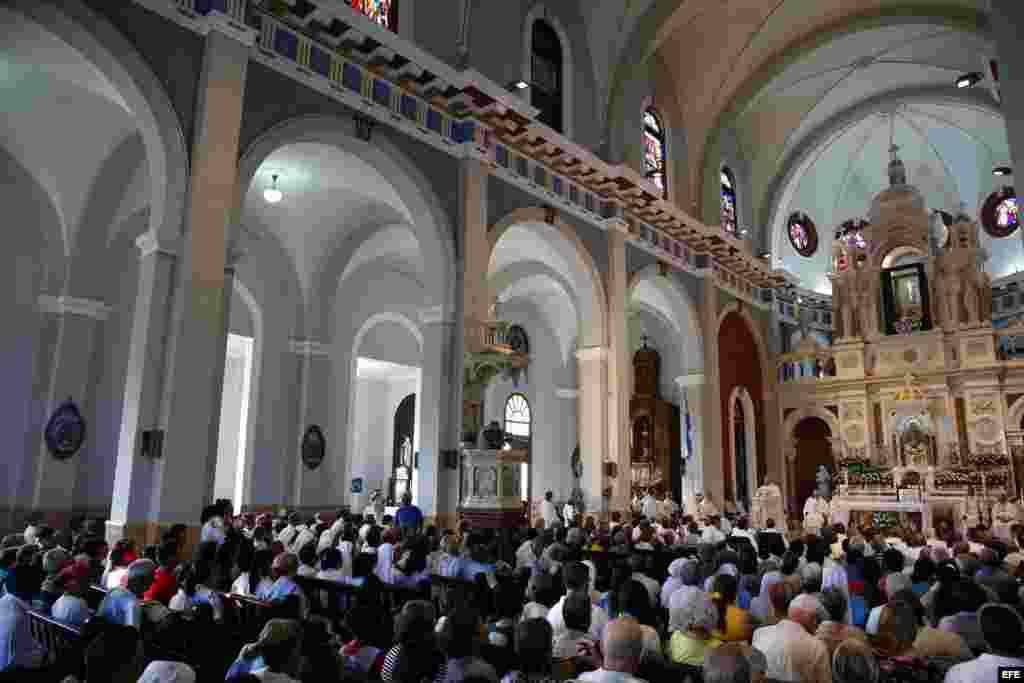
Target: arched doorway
{"x": 403, "y": 459}
{"x": 740, "y": 375}
{"x": 744, "y": 444}
{"x": 813, "y": 448}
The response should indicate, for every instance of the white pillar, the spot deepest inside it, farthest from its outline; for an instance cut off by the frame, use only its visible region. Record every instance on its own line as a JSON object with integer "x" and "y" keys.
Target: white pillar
{"x": 193, "y": 361}
{"x": 592, "y": 418}
{"x": 73, "y": 325}
{"x": 712, "y": 448}
{"x": 434, "y": 482}
{"x": 691, "y": 390}
{"x": 618, "y": 365}
{"x": 313, "y": 488}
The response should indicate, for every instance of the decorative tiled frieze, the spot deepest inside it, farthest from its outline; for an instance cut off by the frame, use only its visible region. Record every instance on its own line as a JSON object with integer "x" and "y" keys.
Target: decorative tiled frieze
{"x": 336, "y": 50}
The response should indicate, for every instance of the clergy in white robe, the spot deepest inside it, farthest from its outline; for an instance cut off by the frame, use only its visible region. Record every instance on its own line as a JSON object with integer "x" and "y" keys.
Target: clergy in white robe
{"x": 705, "y": 508}
{"x": 1004, "y": 515}
{"x": 816, "y": 511}
{"x": 649, "y": 507}
{"x": 767, "y": 504}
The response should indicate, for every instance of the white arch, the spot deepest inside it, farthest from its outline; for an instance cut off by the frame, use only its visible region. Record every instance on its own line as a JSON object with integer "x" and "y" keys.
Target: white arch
{"x": 750, "y": 428}
{"x": 540, "y": 13}
{"x": 105, "y": 48}
{"x": 801, "y": 414}
{"x": 682, "y": 312}
{"x": 1014, "y": 415}
{"x": 432, "y": 227}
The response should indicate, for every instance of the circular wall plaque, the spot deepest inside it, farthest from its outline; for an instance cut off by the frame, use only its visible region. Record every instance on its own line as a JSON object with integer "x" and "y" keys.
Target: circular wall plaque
{"x": 65, "y": 431}
{"x": 313, "y": 447}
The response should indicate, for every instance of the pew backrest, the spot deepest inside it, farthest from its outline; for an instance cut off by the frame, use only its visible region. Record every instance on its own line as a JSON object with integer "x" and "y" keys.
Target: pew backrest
{"x": 62, "y": 641}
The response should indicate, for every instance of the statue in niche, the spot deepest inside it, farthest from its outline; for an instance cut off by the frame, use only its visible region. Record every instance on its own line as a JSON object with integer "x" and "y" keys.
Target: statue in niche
{"x": 824, "y": 481}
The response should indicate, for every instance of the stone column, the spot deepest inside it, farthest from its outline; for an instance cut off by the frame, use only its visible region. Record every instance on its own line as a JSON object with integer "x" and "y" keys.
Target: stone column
{"x": 70, "y": 324}
{"x": 437, "y": 486}
{"x": 691, "y": 395}
{"x": 619, "y": 390}
{"x": 711, "y": 410}
{"x": 790, "y": 486}
{"x": 476, "y": 249}
{"x": 182, "y": 481}
{"x": 314, "y": 487}
{"x": 592, "y": 421}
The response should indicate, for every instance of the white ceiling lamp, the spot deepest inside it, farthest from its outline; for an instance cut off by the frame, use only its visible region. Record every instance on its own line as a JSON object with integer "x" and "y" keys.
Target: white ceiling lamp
{"x": 272, "y": 194}
{"x": 969, "y": 80}
{"x": 1002, "y": 170}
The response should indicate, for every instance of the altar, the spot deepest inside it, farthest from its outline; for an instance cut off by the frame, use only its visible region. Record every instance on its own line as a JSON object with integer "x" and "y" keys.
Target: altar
{"x": 882, "y": 512}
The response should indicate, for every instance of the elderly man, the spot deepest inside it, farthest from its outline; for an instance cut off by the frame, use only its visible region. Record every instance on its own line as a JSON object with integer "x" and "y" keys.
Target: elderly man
{"x": 123, "y": 606}
{"x": 621, "y": 647}
{"x": 1003, "y": 630}
{"x": 19, "y": 650}
{"x": 793, "y": 654}
{"x": 283, "y": 570}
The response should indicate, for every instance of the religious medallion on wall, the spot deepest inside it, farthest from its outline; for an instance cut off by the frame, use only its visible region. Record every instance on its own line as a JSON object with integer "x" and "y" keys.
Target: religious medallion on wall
{"x": 65, "y": 431}
{"x": 314, "y": 446}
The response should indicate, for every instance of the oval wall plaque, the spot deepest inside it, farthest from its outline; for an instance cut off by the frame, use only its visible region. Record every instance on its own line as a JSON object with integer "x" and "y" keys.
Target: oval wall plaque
{"x": 65, "y": 431}
{"x": 313, "y": 447}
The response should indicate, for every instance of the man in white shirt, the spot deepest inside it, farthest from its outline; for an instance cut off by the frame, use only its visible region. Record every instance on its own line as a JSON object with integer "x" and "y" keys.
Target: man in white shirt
{"x": 712, "y": 534}
{"x": 307, "y": 534}
{"x": 577, "y": 580}
{"x": 622, "y": 648}
{"x": 792, "y": 653}
{"x": 548, "y": 511}
{"x": 569, "y": 512}
{"x": 288, "y": 533}
{"x": 19, "y": 650}
{"x": 649, "y": 506}
{"x": 1003, "y": 630}
{"x": 816, "y": 511}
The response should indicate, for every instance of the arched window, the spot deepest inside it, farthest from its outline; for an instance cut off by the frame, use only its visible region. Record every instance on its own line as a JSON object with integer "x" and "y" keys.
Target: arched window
{"x": 546, "y": 74}
{"x": 384, "y": 12}
{"x": 654, "y": 151}
{"x": 518, "y": 425}
{"x": 729, "y": 222}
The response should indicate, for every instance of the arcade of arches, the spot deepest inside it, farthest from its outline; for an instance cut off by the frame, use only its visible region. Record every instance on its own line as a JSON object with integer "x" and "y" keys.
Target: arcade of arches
{"x": 248, "y": 260}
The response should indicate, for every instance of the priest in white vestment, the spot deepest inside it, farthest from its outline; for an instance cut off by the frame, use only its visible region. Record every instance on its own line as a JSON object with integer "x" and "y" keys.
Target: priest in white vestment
{"x": 705, "y": 508}
{"x": 767, "y": 504}
{"x": 1004, "y": 515}
{"x": 667, "y": 507}
{"x": 816, "y": 511}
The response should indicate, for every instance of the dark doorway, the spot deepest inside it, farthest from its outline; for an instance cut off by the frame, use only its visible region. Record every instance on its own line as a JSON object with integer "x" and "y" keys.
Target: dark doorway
{"x": 403, "y": 460}
{"x": 812, "y": 449}
{"x": 740, "y": 448}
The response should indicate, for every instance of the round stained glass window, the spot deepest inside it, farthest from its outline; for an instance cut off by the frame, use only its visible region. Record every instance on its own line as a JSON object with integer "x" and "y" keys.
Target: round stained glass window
{"x": 803, "y": 235}
{"x": 1000, "y": 214}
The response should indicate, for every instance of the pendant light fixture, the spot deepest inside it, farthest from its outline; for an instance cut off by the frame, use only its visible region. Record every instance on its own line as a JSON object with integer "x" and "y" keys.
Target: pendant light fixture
{"x": 273, "y": 195}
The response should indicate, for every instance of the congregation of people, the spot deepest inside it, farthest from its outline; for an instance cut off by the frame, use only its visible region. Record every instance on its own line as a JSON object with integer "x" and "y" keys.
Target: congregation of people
{"x": 669, "y": 594}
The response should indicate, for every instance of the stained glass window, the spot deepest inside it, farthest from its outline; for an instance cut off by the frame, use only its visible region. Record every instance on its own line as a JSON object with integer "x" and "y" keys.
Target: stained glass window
{"x": 654, "y": 151}
{"x": 803, "y": 235}
{"x": 381, "y": 11}
{"x": 1000, "y": 215}
{"x": 729, "y": 202}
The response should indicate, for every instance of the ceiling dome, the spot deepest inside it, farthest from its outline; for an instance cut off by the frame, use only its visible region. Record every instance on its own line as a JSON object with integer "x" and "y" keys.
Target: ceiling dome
{"x": 948, "y": 150}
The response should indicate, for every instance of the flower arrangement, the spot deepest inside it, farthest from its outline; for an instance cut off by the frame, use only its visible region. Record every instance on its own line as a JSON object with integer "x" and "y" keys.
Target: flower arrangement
{"x": 871, "y": 478}
{"x": 964, "y": 477}
{"x": 988, "y": 460}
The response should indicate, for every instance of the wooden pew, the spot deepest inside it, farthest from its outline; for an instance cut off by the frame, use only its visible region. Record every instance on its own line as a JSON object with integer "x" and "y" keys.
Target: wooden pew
{"x": 63, "y": 643}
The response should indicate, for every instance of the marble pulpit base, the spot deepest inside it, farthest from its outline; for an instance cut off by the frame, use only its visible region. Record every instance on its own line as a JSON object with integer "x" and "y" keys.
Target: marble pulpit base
{"x": 842, "y": 507}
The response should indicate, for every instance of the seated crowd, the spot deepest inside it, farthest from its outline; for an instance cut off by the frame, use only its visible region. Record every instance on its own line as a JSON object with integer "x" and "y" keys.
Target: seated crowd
{"x": 648, "y": 600}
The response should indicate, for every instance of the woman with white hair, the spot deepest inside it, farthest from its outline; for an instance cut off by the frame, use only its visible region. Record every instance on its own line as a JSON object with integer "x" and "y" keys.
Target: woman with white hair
{"x": 674, "y": 581}
{"x": 691, "y": 622}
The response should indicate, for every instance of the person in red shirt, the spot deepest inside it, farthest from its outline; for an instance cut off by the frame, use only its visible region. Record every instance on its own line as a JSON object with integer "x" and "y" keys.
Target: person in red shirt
{"x": 164, "y": 584}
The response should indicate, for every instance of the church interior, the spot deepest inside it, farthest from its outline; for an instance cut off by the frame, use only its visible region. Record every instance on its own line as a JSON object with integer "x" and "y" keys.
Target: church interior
{"x": 312, "y": 254}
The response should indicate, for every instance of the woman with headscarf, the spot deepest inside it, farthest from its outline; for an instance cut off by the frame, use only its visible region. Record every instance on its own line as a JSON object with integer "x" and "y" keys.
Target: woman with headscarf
{"x": 674, "y": 581}
{"x": 761, "y": 607}
{"x": 691, "y": 622}
{"x": 275, "y": 656}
